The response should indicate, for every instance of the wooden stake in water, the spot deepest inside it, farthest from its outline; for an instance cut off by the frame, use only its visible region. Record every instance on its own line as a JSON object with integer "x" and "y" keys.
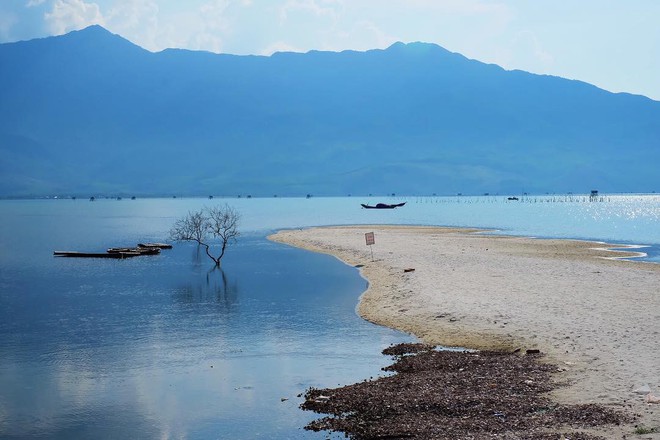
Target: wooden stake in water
{"x": 370, "y": 239}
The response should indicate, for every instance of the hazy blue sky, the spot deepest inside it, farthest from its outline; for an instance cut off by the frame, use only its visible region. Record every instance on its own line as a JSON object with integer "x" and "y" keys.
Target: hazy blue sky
{"x": 613, "y": 44}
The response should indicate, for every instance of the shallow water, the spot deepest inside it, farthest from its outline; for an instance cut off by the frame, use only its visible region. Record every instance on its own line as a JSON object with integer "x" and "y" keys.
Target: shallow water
{"x": 163, "y": 347}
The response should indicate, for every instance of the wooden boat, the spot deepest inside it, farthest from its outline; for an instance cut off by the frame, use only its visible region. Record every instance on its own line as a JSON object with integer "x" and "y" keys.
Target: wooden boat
{"x": 155, "y": 245}
{"x": 122, "y": 249}
{"x": 383, "y": 206}
{"x": 118, "y": 252}
{"x": 117, "y": 255}
{"x": 139, "y": 250}
{"x": 148, "y": 250}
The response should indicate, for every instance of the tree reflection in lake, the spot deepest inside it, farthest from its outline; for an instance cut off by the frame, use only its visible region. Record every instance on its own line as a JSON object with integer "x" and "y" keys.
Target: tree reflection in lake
{"x": 213, "y": 286}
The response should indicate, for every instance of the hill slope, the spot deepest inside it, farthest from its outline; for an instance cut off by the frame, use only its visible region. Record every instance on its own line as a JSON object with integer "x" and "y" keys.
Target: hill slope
{"x": 89, "y": 112}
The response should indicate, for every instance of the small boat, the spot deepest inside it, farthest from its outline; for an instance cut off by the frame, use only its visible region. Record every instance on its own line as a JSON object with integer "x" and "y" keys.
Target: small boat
{"x": 148, "y": 250}
{"x": 155, "y": 245}
{"x": 139, "y": 250}
{"x": 121, "y": 249}
{"x": 118, "y": 252}
{"x": 383, "y": 206}
{"x": 117, "y": 255}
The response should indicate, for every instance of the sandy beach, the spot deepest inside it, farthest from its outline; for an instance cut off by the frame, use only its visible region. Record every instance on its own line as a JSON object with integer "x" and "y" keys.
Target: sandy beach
{"x": 595, "y": 317}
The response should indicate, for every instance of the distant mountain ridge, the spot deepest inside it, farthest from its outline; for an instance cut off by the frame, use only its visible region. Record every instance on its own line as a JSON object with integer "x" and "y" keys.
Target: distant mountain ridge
{"x": 91, "y": 113}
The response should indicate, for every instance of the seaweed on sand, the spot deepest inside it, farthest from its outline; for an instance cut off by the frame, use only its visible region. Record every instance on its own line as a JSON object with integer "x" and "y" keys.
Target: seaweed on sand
{"x": 450, "y": 394}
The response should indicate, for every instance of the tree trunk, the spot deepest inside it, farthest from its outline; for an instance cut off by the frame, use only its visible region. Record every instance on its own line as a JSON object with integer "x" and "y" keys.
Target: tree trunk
{"x": 222, "y": 251}
{"x": 216, "y": 260}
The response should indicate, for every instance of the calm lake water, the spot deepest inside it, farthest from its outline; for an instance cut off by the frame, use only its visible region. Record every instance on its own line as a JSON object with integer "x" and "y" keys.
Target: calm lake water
{"x": 163, "y": 347}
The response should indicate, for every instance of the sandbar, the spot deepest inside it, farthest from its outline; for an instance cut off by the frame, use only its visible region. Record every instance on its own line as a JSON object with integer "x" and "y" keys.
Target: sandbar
{"x": 595, "y": 316}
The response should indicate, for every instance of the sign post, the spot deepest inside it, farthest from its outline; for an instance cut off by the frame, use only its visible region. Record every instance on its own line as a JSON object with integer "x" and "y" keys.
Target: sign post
{"x": 370, "y": 239}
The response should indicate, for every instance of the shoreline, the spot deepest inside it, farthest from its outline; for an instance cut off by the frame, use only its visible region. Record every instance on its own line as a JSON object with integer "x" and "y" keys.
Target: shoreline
{"x": 595, "y": 316}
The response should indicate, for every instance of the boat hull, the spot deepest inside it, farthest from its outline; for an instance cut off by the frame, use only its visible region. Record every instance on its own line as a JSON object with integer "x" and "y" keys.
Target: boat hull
{"x": 118, "y": 252}
{"x": 155, "y": 245}
{"x": 115, "y": 255}
{"x": 383, "y": 206}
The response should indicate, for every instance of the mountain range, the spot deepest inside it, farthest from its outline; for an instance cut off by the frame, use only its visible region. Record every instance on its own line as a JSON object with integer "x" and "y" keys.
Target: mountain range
{"x": 90, "y": 113}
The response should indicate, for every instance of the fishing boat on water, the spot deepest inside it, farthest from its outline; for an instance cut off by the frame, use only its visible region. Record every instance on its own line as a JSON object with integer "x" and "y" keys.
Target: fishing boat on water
{"x": 139, "y": 250}
{"x": 116, "y": 255}
{"x": 382, "y": 206}
{"x": 118, "y": 252}
{"x": 155, "y": 245}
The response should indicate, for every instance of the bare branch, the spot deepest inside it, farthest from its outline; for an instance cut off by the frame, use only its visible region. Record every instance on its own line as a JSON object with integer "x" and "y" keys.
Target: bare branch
{"x": 190, "y": 228}
{"x": 219, "y": 222}
{"x": 223, "y": 223}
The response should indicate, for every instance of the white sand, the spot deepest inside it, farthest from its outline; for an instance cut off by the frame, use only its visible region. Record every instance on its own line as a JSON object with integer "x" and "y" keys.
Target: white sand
{"x": 597, "y": 318}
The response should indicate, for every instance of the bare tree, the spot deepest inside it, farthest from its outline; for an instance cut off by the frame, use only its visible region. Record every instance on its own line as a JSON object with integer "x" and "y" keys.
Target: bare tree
{"x": 217, "y": 222}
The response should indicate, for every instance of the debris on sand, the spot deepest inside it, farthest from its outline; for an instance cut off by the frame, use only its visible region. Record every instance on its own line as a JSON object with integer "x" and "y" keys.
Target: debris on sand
{"x": 455, "y": 394}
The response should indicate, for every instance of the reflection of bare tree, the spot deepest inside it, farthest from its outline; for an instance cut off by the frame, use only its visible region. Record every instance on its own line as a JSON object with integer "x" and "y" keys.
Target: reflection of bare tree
{"x": 213, "y": 287}
{"x": 197, "y": 256}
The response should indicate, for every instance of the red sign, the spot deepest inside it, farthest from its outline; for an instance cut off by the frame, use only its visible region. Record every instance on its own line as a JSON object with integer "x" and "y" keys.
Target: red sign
{"x": 369, "y": 237}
